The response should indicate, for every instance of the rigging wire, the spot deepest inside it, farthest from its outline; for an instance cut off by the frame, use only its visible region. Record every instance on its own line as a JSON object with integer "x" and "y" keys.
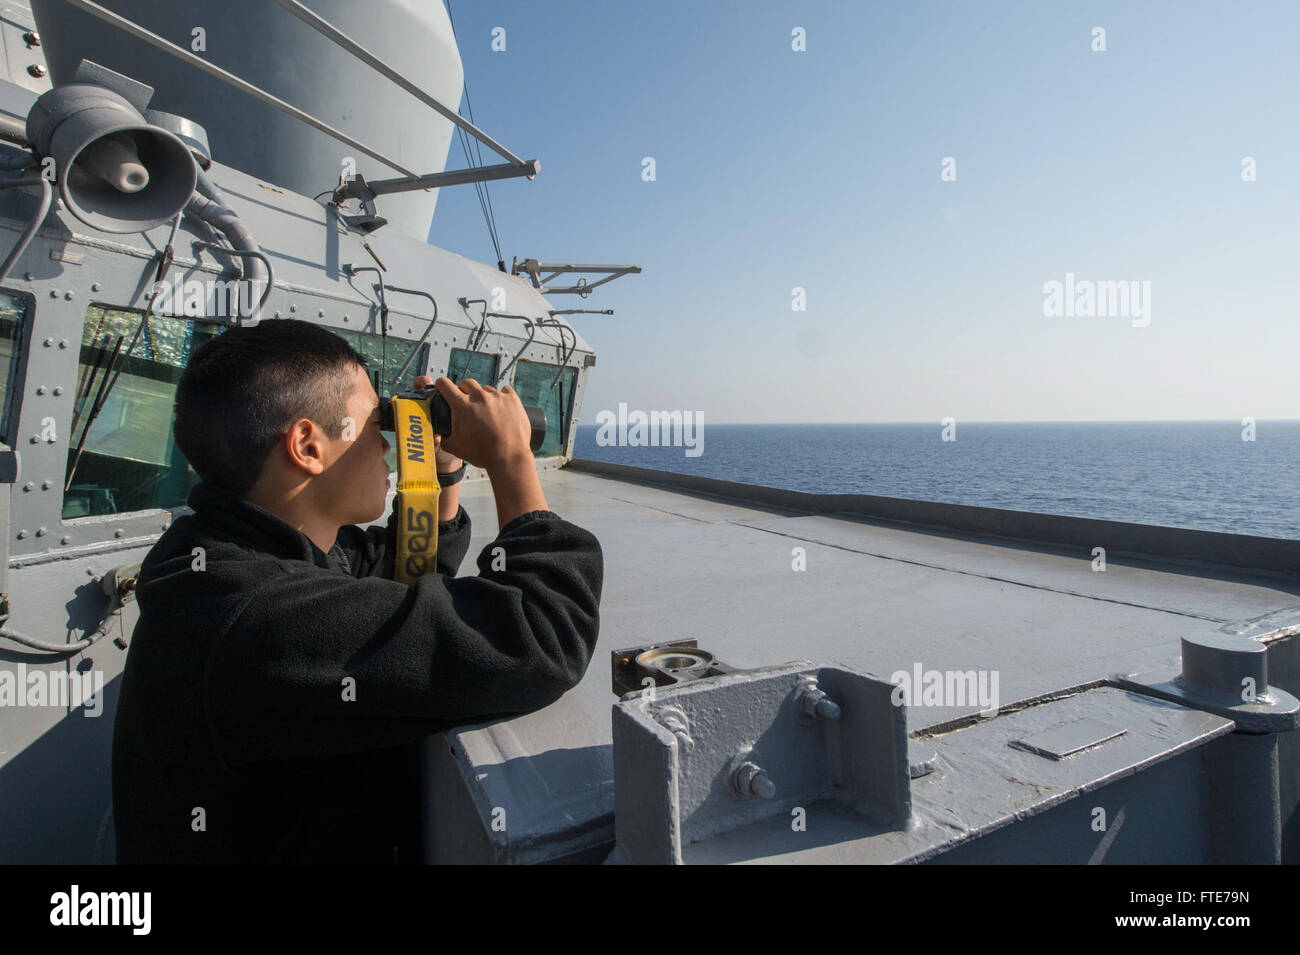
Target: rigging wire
{"x": 480, "y": 188}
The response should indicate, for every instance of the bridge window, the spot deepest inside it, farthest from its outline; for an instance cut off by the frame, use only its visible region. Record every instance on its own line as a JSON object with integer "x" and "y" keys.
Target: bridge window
{"x": 13, "y": 328}
{"x": 538, "y": 384}
{"x": 126, "y": 459}
{"x": 387, "y": 357}
{"x": 481, "y": 366}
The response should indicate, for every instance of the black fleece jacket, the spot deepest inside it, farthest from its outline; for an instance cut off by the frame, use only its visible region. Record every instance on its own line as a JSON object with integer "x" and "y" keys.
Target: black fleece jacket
{"x": 272, "y": 692}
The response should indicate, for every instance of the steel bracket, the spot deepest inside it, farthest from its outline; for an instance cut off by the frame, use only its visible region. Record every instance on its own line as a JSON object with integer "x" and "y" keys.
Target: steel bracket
{"x": 704, "y": 757}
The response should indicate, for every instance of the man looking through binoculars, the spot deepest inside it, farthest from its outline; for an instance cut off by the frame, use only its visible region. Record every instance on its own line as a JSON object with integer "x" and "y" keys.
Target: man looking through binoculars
{"x": 279, "y": 675}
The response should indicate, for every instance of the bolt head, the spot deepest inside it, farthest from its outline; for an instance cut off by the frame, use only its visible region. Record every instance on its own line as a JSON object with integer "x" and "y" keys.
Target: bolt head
{"x": 828, "y": 710}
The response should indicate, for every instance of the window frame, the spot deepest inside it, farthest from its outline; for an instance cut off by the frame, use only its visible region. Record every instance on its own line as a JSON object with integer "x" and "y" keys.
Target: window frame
{"x": 90, "y": 520}
{"x": 496, "y": 363}
{"x": 567, "y": 412}
{"x": 11, "y": 409}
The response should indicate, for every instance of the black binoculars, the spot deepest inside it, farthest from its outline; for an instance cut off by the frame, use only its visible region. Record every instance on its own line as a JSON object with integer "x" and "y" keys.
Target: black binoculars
{"x": 439, "y": 413}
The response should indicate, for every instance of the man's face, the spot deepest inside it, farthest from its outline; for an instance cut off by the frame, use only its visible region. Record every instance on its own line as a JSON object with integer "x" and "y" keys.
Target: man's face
{"x": 356, "y": 482}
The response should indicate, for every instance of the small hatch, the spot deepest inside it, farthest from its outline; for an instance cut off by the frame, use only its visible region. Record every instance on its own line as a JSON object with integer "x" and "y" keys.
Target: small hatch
{"x": 1069, "y": 739}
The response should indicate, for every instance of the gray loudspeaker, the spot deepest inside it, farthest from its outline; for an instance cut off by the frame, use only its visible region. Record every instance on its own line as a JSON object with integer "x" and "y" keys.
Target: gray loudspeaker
{"x": 116, "y": 172}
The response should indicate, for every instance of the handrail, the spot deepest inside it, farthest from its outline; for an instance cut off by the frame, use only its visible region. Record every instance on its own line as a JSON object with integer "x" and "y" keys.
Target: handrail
{"x": 380, "y": 286}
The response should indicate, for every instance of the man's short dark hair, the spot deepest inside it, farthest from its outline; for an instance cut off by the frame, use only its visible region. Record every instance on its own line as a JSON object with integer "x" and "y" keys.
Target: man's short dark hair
{"x": 243, "y": 389}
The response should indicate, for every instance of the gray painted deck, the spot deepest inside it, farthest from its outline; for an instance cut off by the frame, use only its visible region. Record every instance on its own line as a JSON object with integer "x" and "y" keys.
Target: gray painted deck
{"x": 876, "y": 596}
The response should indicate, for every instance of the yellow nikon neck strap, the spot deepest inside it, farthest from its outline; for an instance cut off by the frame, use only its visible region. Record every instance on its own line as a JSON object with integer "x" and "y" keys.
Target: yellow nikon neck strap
{"x": 417, "y": 492}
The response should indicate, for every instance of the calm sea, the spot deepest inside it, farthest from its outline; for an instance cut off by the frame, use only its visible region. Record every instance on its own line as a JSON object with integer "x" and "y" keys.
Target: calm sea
{"x": 1177, "y": 474}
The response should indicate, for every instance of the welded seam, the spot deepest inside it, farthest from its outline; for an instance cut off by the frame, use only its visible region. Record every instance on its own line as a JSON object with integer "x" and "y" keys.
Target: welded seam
{"x": 971, "y": 573}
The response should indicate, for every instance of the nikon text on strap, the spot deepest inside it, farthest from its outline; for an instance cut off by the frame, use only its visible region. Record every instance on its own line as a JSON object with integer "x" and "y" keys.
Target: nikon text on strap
{"x": 417, "y": 492}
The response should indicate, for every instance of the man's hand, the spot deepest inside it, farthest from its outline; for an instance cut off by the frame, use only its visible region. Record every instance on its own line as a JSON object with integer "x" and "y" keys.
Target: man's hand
{"x": 490, "y": 428}
{"x": 446, "y": 462}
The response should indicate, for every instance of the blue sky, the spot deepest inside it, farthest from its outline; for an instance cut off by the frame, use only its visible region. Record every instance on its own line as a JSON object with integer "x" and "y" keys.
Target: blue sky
{"x": 778, "y": 169}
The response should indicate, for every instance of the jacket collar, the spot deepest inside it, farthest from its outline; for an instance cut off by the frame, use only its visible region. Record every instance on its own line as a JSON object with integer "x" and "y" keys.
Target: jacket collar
{"x": 239, "y": 519}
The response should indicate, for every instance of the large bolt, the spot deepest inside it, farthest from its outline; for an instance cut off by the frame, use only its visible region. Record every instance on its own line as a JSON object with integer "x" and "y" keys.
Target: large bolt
{"x": 817, "y": 704}
{"x": 750, "y": 780}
